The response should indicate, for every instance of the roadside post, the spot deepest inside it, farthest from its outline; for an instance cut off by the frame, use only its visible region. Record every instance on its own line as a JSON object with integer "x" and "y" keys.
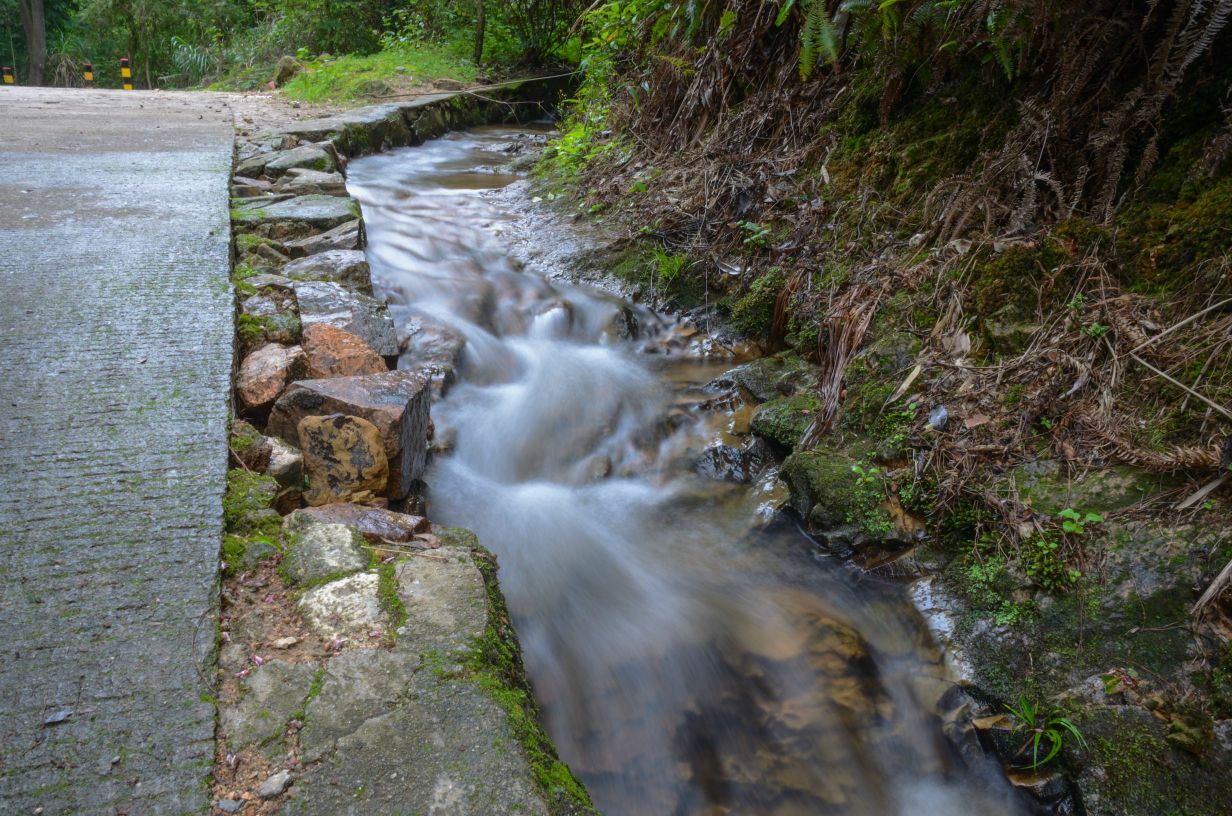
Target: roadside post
{"x": 87, "y": 74}
{"x": 126, "y": 74}
{"x": 8, "y": 76}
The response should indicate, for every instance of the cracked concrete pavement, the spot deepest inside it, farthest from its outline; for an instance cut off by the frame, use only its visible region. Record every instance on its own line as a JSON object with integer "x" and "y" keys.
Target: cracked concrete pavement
{"x": 116, "y": 353}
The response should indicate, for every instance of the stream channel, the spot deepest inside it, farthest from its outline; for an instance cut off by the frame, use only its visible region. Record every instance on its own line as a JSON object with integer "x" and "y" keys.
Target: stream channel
{"x": 692, "y": 652}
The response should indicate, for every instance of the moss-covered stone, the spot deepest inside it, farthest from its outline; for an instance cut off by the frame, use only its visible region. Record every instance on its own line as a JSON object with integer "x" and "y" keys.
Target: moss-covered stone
{"x": 241, "y": 552}
{"x": 495, "y": 663}
{"x": 783, "y": 421}
{"x": 823, "y": 487}
{"x": 1009, "y": 288}
{"x": 247, "y": 503}
{"x": 1048, "y": 489}
{"x": 1163, "y": 242}
{"x": 1130, "y": 768}
{"x": 768, "y": 378}
{"x": 753, "y": 312}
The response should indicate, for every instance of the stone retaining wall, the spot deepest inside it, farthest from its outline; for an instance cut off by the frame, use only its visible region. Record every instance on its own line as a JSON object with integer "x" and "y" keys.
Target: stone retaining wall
{"x": 368, "y": 663}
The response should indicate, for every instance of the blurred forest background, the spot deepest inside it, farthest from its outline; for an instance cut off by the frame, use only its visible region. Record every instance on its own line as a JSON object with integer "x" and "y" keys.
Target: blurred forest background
{"x": 237, "y": 43}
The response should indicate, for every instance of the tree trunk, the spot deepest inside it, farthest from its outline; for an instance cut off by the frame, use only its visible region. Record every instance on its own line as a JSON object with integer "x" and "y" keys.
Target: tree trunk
{"x": 480, "y": 24}
{"x": 32, "y": 20}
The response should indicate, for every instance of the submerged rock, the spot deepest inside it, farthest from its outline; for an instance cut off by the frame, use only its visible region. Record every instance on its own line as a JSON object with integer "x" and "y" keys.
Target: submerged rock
{"x": 396, "y": 403}
{"x": 334, "y": 305}
{"x": 344, "y": 457}
{"x": 333, "y": 352}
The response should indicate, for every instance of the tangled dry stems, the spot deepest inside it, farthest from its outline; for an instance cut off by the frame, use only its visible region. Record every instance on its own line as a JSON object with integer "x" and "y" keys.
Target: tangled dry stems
{"x": 734, "y": 134}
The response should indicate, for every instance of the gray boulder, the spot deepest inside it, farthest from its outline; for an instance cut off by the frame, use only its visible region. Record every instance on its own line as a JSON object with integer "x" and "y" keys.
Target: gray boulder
{"x": 348, "y": 235}
{"x": 315, "y": 211}
{"x": 271, "y": 695}
{"x": 347, "y": 267}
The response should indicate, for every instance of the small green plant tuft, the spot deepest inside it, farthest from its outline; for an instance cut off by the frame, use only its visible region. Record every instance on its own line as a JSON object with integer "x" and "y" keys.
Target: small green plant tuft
{"x": 1075, "y": 523}
{"x": 1045, "y": 729}
{"x": 754, "y": 234}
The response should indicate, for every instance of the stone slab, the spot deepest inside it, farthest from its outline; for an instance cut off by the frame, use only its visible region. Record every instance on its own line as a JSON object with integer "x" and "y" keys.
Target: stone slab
{"x": 404, "y": 730}
{"x": 316, "y": 211}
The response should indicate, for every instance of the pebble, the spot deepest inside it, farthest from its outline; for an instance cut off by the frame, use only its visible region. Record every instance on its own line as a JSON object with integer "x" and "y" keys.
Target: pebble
{"x": 284, "y": 642}
{"x": 229, "y": 805}
{"x": 275, "y": 785}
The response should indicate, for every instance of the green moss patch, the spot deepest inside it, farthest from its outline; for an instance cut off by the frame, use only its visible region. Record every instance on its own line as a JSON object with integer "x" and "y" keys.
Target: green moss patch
{"x": 784, "y": 421}
{"x": 495, "y": 665}
{"x": 247, "y": 503}
{"x": 752, "y": 314}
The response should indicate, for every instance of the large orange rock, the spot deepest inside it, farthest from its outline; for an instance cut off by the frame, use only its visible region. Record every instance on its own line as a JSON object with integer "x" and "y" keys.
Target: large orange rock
{"x": 333, "y": 352}
{"x": 344, "y": 457}
{"x": 266, "y": 372}
{"x": 396, "y": 402}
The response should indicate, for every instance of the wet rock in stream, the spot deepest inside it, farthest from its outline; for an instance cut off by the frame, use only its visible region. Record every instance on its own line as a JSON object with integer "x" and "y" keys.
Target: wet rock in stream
{"x": 741, "y": 464}
{"x": 433, "y": 349}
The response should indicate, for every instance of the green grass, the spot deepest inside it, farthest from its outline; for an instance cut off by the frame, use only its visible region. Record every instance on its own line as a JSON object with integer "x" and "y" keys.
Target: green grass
{"x": 352, "y": 77}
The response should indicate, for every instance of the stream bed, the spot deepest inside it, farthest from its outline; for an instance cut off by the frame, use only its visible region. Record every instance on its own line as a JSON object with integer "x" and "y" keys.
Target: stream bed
{"x": 692, "y": 651}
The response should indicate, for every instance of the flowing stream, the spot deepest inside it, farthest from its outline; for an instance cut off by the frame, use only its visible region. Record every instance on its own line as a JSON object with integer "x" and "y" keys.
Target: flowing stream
{"x": 691, "y": 654}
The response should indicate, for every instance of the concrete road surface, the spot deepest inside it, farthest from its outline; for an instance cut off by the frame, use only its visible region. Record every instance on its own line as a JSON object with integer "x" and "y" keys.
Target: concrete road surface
{"x": 115, "y": 359}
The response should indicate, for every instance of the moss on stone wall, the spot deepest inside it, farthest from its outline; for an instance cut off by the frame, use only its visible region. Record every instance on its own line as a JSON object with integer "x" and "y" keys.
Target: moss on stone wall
{"x": 495, "y": 664}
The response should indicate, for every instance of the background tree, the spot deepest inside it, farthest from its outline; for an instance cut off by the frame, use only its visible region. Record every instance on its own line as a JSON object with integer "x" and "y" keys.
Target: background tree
{"x": 34, "y": 23}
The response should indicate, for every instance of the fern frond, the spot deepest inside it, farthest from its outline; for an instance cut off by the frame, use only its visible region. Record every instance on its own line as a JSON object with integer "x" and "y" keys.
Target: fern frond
{"x": 784, "y": 11}
{"x": 817, "y": 37}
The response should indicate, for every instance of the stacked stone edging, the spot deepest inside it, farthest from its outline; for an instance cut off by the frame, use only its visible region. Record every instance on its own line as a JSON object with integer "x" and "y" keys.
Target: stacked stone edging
{"x": 367, "y": 656}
